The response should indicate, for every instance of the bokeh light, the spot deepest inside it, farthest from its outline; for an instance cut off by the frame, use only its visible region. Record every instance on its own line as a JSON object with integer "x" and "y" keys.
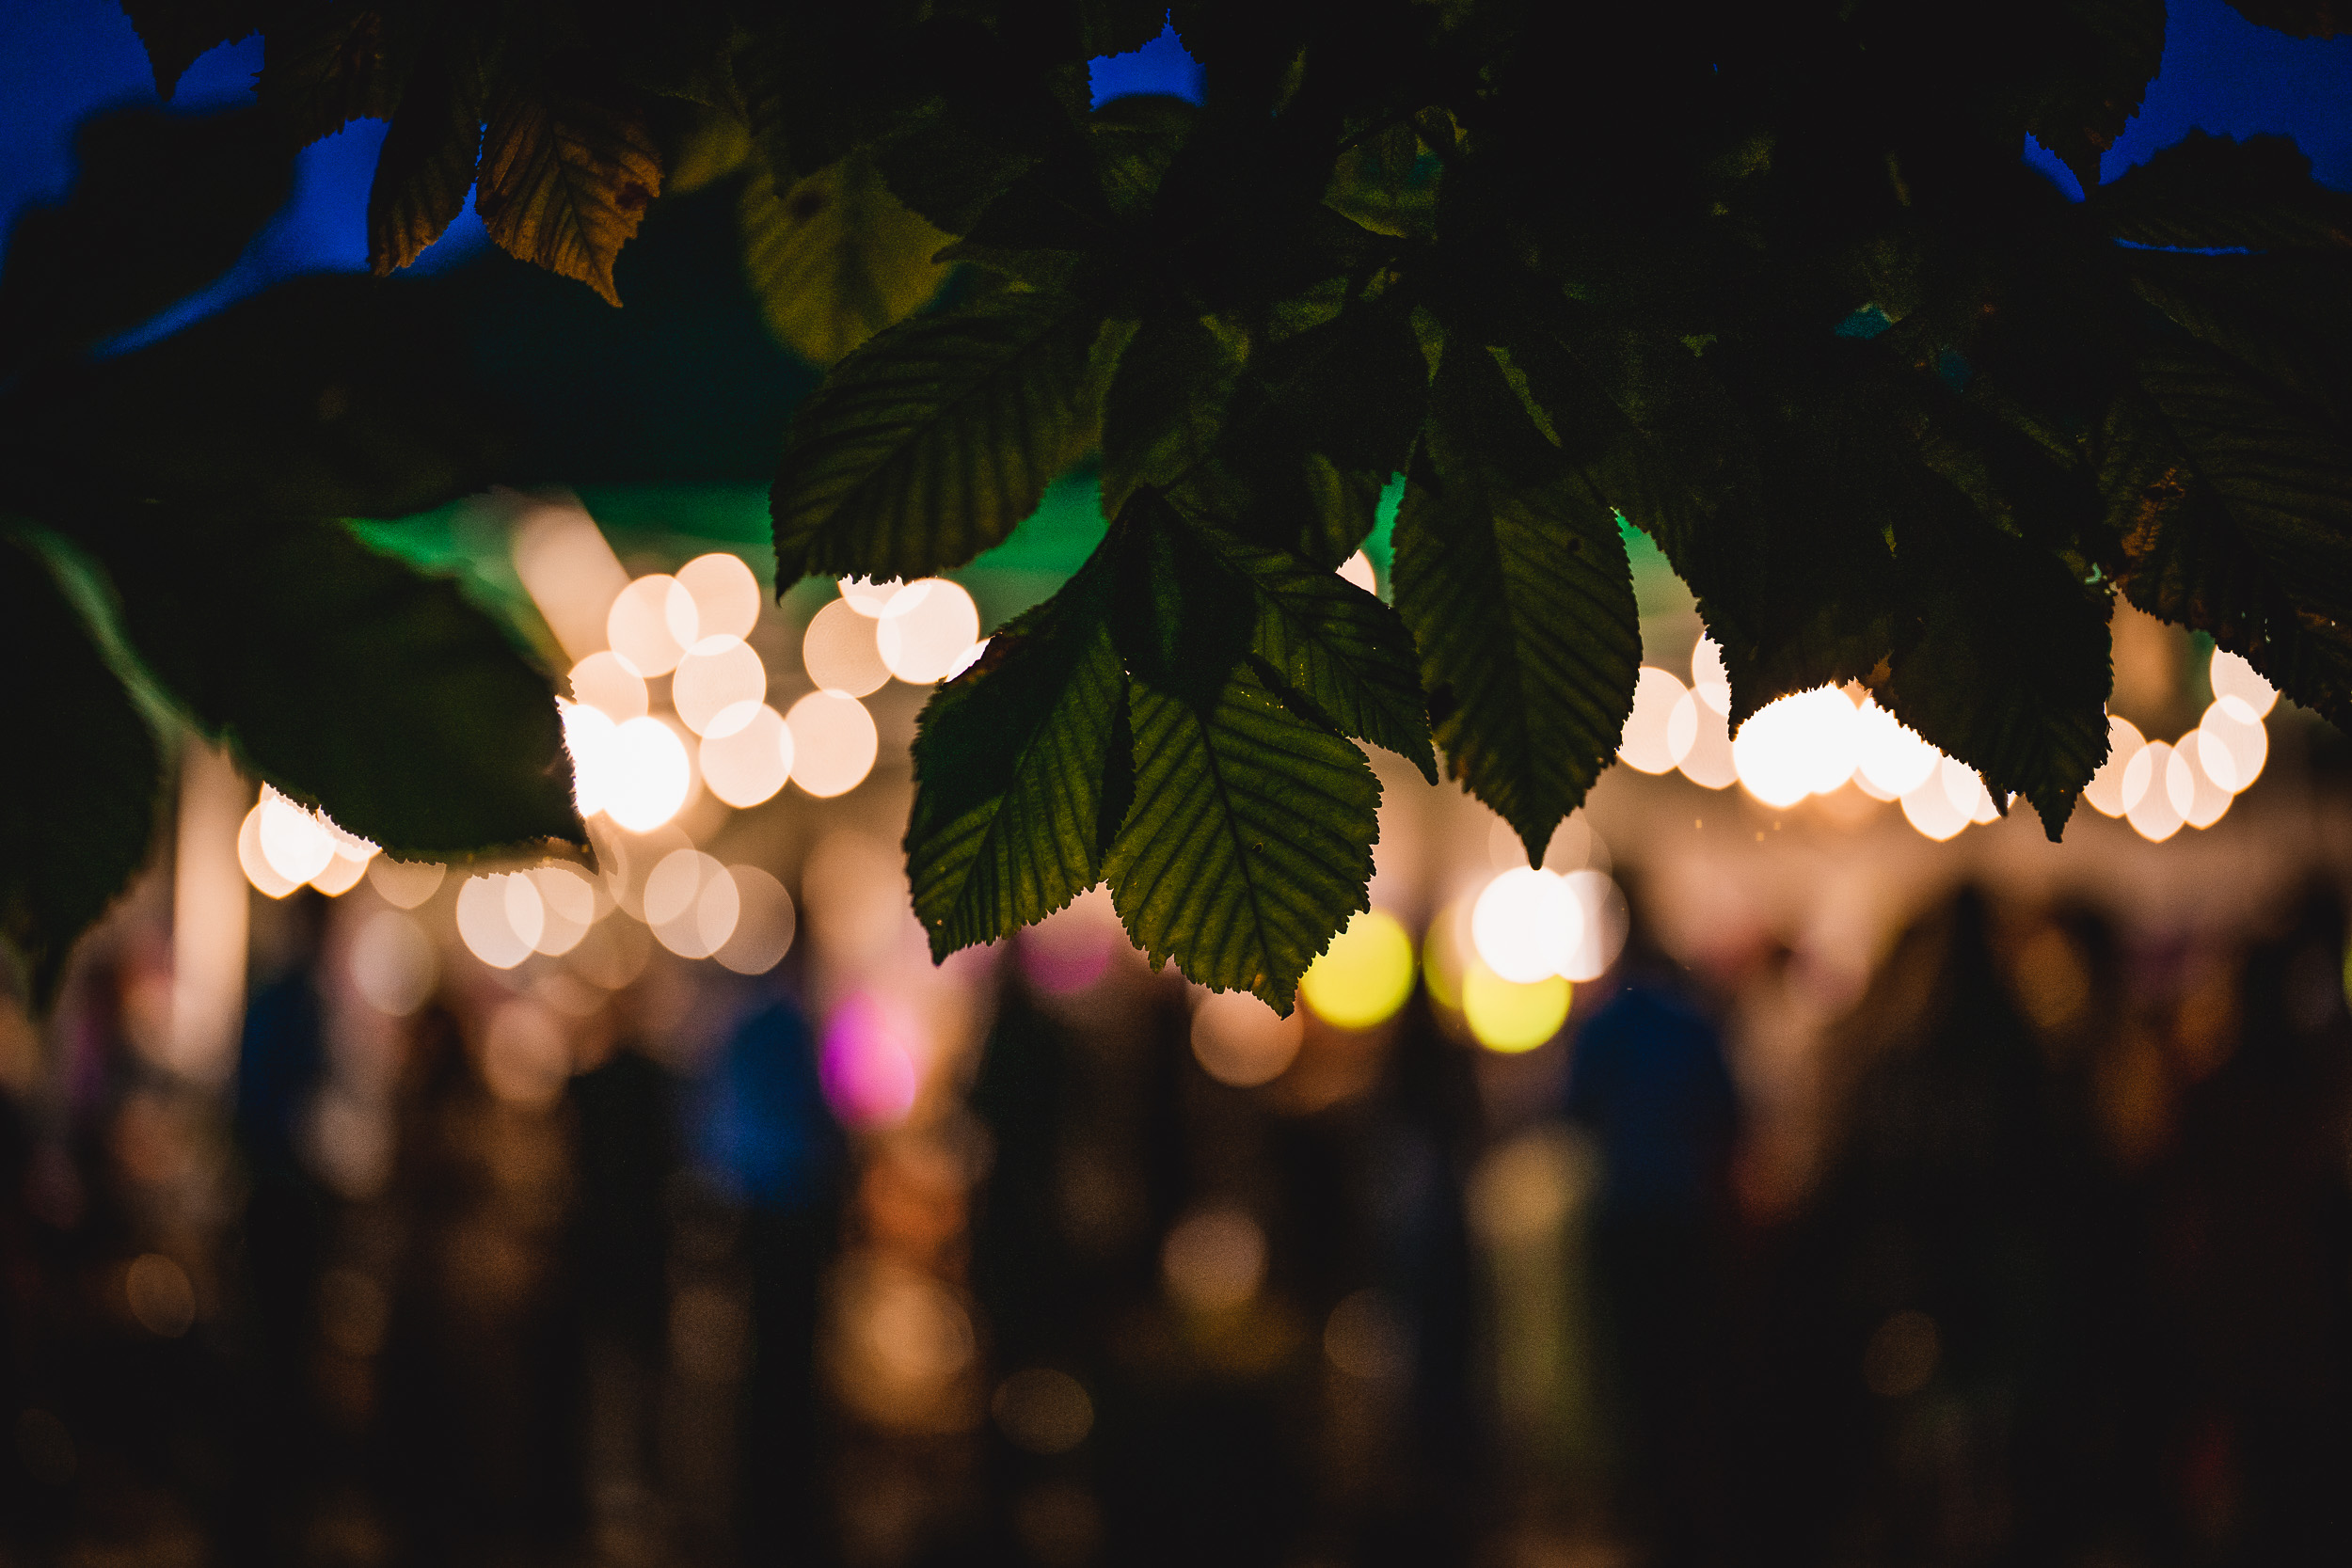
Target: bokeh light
{"x": 747, "y": 766}
{"x": 405, "y": 884}
{"x": 2202, "y": 800}
{"x": 1043, "y": 1410}
{"x": 2153, "y": 813}
{"x": 1364, "y": 977}
{"x": 344, "y": 871}
{"x": 1509, "y": 1016}
{"x": 1213, "y": 1259}
{"x": 1711, "y": 683}
{"x": 1800, "y": 745}
{"x": 572, "y": 575}
{"x": 1602, "y": 933}
{"x": 568, "y": 902}
{"x": 727, "y": 596}
{"x": 646, "y": 775}
{"x": 2230, "y": 747}
{"x": 2235, "y": 680}
{"x": 1525, "y": 925}
{"x": 719, "y": 683}
{"x": 765, "y": 922}
{"x": 296, "y": 845}
{"x": 691, "y": 903}
{"x": 486, "y": 909}
{"x": 651, "y": 624}
{"x": 1929, "y": 808}
{"x": 1240, "y": 1041}
{"x": 1655, "y": 738}
{"x": 2106, "y": 789}
{"x": 1889, "y": 754}
{"x": 1357, "y": 569}
{"x": 866, "y": 596}
{"x": 926, "y": 630}
{"x": 867, "y": 1066}
{"x": 609, "y": 686}
{"x": 258, "y": 869}
{"x": 833, "y": 743}
{"x": 1707, "y": 762}
{"x": 839, "y": 651}
{"x": 392, "y": 963}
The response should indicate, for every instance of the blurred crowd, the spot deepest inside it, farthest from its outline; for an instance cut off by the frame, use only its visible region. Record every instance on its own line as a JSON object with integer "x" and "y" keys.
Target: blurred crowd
{"x": 2058, "y": 1269}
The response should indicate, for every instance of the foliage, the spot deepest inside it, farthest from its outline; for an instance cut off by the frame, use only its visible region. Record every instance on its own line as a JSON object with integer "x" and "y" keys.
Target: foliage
{"x": 1772, "y": 284}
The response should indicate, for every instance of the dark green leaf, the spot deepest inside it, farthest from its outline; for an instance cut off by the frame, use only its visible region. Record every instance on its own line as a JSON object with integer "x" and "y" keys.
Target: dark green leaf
{"x": 2207, "y": 192}
{"x": 179, "y": 32}
{"x": 161, "y": 205}
{"x": 929, "y": 443}
{"x": 2285, "y": 318}
{"x": 322, "y": 70}
{"x": 1250, "y": 843}
{"x": 429, "y": 156}
{"x": 2010, "y": 674}
{"x": 1517, "y": 588}
{"x": 836, "y": 259}
{"x": 1167, "y": 401}
{"x": 77, "y": 801}
{"x": 1014, "y": 802}
{"x": 568, "y": 168}
{"x": 345, "y": 679}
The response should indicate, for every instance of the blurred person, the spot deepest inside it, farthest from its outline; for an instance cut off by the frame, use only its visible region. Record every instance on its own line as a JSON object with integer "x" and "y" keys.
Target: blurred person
{"x": 766, "y": 1141}
{"x": 1648, "y": 1081}
{"x": 2251, "y": 1221}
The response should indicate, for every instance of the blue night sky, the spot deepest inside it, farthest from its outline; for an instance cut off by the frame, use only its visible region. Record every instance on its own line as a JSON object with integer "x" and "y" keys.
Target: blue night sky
{"x": 61, "y": 59}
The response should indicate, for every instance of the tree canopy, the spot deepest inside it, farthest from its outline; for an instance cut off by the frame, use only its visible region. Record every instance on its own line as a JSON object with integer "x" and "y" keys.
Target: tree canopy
{"x": 1770, "y": 284}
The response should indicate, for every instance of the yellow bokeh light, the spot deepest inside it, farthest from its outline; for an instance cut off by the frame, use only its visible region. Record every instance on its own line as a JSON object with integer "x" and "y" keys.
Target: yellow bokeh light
{"x": 1357, "y": 569}
{"x": 651, "y": 624}
{"x": 647, "y": 775}
{"x": 1364, "y": 977}
{"x": 2153, "y": 813}
{"x": 866, "y": 596}
{"x": 765, "y": 922}
{"x": 258, "y": 869}
{"x": 603, "y": 682}
{"x": 1525, "y": 925}
{"x": 2106, "y": 789}
{"x": 1889, "y": 754}
{"x": 1711, "y": 683}
{"x": 1707, "y": 760}
{"x": 719, "y": 686}
{"x": 485, "y": 911}
{"x": 1510, "y": 1018}
{"x": 833, "y": 743}
{"x": 2235, "y": 680}
{"x": 1240, "y": 1041}
{"x": 1657, "y": 724}
{"x": 405, "y": 884}
{"x": 2232, "y": 746}
{"x": 294, "y": 842}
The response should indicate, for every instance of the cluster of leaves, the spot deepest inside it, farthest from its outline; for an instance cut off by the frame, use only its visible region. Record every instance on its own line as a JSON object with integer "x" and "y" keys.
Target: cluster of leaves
{"x": 173, "y": 554}
{"x": 1770, "y": 283}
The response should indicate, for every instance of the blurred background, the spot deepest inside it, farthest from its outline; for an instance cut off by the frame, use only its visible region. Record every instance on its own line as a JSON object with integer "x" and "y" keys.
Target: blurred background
{"x": 1807, "y": 1165}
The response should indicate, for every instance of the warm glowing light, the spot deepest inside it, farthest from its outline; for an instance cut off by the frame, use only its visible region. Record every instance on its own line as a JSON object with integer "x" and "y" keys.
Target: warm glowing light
{"x": 1507, "y": 1016}
{"x": 651, "y": 624}
{"x": 727, "y": 596}
{"x": 568, "y": 902}
{"x": 1213, "y": 1260}
{"x": 1707, "y": 762}
{"x": 1966, "y": 791}
{"x": 2235, "y": 680}
{"x": 833, "y": 743}
{"x": 258, "y": 869}
{"x": 1357, "y": 569}
{"x": 971, "y": 656}
{"x": 1649, "y": 743}
{"x": 572, "y": 575}
{"x": 1930, "y": 809}
{"x": 2106, "y": 789}
{"x": 763, "y": 927}
{"x": 839, "y": 651}
{"x": 1798, "y": 746}
{"x": 2153, "y": 813}
{"x": 1525, "y": 925}
{"x": 926, "y": 629}
{"x": 1889, "y": 754}
{"x": 748, "y": 765}
{"x": 392, "y": 963}
{"x": 2232, "y": 748}
{"x": 866, "y": 596}
{"x": 1709, "y": 681}
{"x": 525, "y": 1058}
{"x": 1604, "y": 925}
{"x": 691, "y": 903}
{"x": 488, "y": 910}
{"x": 603, "y": 682}
{"x": 645, "y": 775}
{"x": 405, "y": 884}
{"x": 294, "y": 841}
{"x": 868, "y": 1064}
{"x": 588, "y": 734}
{"x": 1364, "y": 977}
{"x": 2208, "y": 798}
{"x": 344, "y": 871}
{"x": 719, "y": 686}
{"x": 1240, "y": 1041}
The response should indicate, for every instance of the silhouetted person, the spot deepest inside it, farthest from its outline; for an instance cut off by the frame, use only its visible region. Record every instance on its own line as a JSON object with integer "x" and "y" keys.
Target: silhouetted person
{"x": 1648, "y": 1083}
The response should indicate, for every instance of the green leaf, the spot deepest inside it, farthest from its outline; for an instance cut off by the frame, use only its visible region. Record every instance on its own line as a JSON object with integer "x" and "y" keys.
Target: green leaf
{"x": 2010, "y": 674}
{"x": 161, "y": 205}
{"x": 179, "y": 32}
{"x": 1515, "y": 583}
{"x": 1250, "y": 843}
{"x": 346, "y": 679}
{"x": 2285, "y": 318}
{"x": 1166, "y": 406}
{"x": 836, "y": 258}
{"x": 78, "y": 806}
{"x": 332, "y": 396}
{"x": 322, "y": 70}
{"x": 568, "y": 168}
{"x": 429, "y": 156}
{"x": 929, "y": 443}
{"x": 1020, "y": 768}
{"x": 2207, "y": 192}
